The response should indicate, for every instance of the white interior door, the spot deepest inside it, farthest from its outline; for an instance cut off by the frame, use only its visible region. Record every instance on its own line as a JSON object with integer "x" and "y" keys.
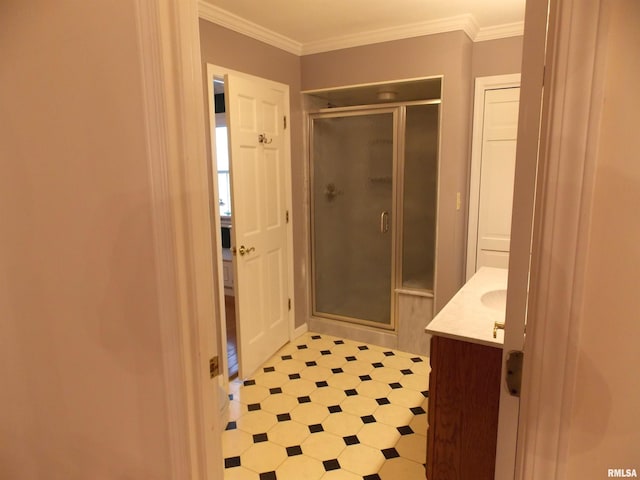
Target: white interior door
{"x": 256, "y": 112}
{"x": 498, "y": 158}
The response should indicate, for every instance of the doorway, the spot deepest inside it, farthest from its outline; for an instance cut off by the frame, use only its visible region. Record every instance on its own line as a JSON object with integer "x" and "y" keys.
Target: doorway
{"x": 251, "y": 201}
{"x": 221, "y": 169}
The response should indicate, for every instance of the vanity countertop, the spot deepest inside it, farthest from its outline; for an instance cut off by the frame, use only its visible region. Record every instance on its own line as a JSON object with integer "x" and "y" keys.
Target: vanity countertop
{"x": 470, "y": 314}
{"x": 227, "y": 256}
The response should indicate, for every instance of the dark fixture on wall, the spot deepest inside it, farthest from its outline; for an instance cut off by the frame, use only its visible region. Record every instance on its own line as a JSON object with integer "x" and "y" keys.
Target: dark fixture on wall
{"x": 226, "y": 236}
{"x": 218, "y": 99}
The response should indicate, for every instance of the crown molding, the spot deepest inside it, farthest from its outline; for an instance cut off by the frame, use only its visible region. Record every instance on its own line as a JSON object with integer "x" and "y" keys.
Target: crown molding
{"x": 500, "y": 31}
{"x": 467, "y": 23}
{"x": 238, "y": 24}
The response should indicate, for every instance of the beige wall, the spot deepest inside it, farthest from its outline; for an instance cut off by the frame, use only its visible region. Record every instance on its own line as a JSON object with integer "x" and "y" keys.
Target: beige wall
{"x": 80, "y": 355}
{"x": 497, "y": 57}
{"x": 458, "y": 59}
{"x": 223, "y": 47}
{"x": 605, "y": 425}
{"x": 449, "y": 54}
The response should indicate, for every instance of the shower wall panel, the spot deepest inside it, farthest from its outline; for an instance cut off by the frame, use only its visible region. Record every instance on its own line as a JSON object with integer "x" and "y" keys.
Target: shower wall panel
{"x": 419, "y": 194}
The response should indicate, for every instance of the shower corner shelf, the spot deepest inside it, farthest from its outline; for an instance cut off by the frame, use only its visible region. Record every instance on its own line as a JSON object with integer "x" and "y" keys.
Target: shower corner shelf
{"x": 414, "y": 292}
{"x": 383, "y": 180}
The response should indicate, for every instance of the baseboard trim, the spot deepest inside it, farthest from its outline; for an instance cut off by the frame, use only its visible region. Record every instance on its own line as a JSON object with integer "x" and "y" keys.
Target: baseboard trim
{"x": 356, "y": 333}
{"x": 301, "y": 330}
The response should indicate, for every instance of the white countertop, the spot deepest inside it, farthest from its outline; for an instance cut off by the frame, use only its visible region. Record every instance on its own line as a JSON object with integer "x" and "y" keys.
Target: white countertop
{"x": 467, "y": 317}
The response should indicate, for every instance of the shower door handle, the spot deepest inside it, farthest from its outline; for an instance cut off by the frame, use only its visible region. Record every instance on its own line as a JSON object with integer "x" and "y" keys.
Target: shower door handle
{"x": 384, "y": 222}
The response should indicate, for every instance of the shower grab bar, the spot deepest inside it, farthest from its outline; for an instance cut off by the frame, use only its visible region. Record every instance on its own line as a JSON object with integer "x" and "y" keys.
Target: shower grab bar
{"x": 384, "y": 222}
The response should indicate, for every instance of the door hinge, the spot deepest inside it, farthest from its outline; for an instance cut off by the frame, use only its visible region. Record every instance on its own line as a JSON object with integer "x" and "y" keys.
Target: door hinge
{"x": 285, "y": 122}
{"x": 289, "y": 304}
{"x": 286, "y": 216}
{"x": 214, "y": 367}
{"x": 514, "y": 372}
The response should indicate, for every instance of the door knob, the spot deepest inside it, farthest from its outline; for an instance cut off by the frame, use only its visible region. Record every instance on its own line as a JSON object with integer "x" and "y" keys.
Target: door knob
{"x": 245, "y": 251}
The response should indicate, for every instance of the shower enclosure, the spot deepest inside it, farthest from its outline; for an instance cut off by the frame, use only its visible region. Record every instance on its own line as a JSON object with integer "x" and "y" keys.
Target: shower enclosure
{"x": 374, "y": 173}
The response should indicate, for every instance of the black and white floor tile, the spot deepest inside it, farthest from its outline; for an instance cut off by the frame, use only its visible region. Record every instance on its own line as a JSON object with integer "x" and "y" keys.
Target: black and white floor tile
{"x": 325, "y": 408}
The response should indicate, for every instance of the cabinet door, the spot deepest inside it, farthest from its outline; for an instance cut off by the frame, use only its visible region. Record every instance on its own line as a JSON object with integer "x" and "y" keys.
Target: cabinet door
{"x": 464, "y": 390}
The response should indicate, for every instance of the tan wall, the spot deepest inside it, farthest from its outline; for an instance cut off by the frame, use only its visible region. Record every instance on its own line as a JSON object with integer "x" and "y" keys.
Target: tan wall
{"x": 460, "y": 61}
{"x": 605, "y": 426}
{"x": 225, "y": 48}
{"x": 80, "y": 355}
{"x": 497, "y": 57}
{"x": 447, "y": 54}
{"x": 451, "y": 55}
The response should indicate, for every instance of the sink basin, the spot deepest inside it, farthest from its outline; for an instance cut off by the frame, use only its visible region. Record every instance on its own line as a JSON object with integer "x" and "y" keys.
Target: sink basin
{"x": 495, "y": 299}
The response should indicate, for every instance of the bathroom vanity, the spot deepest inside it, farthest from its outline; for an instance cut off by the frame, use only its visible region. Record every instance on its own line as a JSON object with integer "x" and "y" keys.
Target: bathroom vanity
{"x": 464, "y": 384}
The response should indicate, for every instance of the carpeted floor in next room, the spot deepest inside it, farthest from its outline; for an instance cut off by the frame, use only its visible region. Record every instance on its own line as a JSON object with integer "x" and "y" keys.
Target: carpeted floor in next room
{"x": 326, "y": 408}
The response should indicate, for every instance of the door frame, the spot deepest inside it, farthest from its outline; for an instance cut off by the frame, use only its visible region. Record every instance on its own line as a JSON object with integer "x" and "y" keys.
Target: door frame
{"x": 173, "y": 108}
{"x": 566, "y": 154}
{"x": 482, "y": 84}
{"x": 395, "y": 111}
{"x": 220, "y": 72}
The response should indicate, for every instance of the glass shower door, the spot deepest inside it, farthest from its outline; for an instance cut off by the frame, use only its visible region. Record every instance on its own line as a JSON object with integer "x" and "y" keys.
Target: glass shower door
{"x": 352, "y": 162}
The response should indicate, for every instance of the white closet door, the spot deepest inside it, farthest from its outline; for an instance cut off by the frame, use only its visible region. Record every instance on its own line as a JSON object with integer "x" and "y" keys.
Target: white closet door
{"x": 499, "y": 134}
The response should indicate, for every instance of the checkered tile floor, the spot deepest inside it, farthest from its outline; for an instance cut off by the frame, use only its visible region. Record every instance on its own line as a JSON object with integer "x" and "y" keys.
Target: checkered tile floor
{"x": 327, "y": 408}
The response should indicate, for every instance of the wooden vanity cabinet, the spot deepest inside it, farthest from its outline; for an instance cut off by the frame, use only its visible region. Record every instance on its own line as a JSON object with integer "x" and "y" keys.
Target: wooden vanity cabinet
{"x": 464, "y": 393}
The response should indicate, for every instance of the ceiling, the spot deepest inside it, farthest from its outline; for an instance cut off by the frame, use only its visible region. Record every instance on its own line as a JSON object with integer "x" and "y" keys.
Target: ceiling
{"x": 312, "y": 26}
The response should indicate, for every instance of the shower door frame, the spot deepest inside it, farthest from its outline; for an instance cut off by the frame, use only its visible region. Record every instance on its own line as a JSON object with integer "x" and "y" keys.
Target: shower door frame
{"x": 396, "y": 111}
